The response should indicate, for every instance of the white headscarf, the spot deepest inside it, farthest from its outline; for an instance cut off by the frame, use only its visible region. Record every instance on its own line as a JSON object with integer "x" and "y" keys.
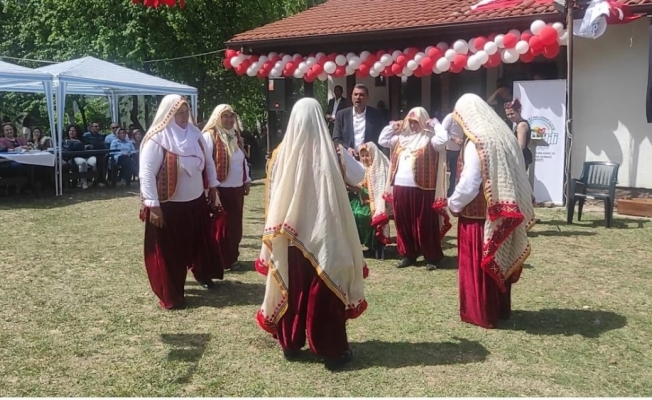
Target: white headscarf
{"x": 228, "y": 136}
{"x": 183, "y": 142}
{"x": 308, "y": 207}
{"x": 376, "y": 177}
{"x": 506, "y": 187}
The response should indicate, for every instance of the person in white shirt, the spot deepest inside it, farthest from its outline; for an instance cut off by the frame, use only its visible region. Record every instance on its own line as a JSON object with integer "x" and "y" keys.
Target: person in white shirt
{"x": 493, "y": 203}
{"x": 311, "y": 253}
{"x": 453, "y": 147}
{"x": 337, "y": 103}
{"x": 417, "y": 172}
{"x": 175, "y": 171}
{"x": 222, "y": 134}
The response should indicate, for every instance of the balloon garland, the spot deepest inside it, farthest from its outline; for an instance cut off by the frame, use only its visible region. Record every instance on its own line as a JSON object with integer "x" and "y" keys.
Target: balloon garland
{"x": 488, "y": 52}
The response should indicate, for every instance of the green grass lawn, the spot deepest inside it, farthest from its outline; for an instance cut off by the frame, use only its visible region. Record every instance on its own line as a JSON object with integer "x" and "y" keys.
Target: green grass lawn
{"x": 77, "y": 316}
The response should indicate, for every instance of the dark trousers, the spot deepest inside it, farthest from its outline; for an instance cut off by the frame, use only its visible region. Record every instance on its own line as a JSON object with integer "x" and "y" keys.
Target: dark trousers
{"x": 127, "y": 166}
{"x": 451, "y": 158}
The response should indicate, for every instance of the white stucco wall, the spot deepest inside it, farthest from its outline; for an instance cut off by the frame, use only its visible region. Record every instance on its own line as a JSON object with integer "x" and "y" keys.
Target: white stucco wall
{"x": 609, "y": 97}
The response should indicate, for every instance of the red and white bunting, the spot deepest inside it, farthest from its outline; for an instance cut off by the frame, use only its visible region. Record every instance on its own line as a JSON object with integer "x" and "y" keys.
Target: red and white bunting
{"x": 489, "y": 52}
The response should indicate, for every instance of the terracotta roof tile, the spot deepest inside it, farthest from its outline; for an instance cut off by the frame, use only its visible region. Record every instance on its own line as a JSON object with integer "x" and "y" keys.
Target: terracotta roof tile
{"x": 337, "y": 17}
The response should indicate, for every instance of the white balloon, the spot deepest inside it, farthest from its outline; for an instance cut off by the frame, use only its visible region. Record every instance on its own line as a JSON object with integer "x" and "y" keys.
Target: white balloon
{"x": 364, "y": 55}
{"x": 404, "y": 78}
{"x": 461, "y": 46}
{"x": 350, "y": 70}
{"x": 235, "y": 61}
{"x": 450, "y": 55}
{"x": 251, "y": 72}
{"x": 350, "y": 55}
{"x": 386, "y": 60}
{"x": 443, "y": 64}
{"x": 516, "y": 33}
{"x": 256, "y": 66}
{"x": 303, "y": 66}
{"x": 443, "y": 46}
{"x": 473, "y": 63}
{"x": 262, "y": 59}
{"x": 412, "y": 65}
{"x": 323, "y": 76}
{"x": 355, "y": 63}
{"x": 563, "y": 38}
{"x": 472, "y": 47}
{"x": 396, "y": 53}
{"x": 526, "y": 32}
{"x": 559, "y": 27}
{"x": 522, "y": 47}
{"x": 509, "y": 56}
{"x": 482, "y": 56}
{"x": 537, "y": 26}
{"x": 419, "y": 56}
{"x": 499, "y": 41}
{"x": 428, "y": 49}
{"x": 297, "y": 55}
{"x": 275, "y": 72}
{"x": 490, "y": 48}
{"x": 310, "y": 61}
{"x": 436, "y": 70}
{"x": 298, "y": 73}
{"x": 330, "y": 67}
{"x": 374, "y": 73}
{"x": 272, "y": 54}
{"x": 287, "y": 58}
{"x": 319, "y": 55}
{"x": 407, "y": 72}
{"x": 340, "y": 60}
{"x": 279, "y": 65}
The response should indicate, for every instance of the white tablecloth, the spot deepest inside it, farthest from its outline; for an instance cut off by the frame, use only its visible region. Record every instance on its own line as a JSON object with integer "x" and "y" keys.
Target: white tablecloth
{"x": 43, "y": 158}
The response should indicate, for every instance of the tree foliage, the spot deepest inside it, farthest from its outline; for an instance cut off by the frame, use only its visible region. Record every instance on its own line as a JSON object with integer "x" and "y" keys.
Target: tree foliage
{"x": 140, "y": 38}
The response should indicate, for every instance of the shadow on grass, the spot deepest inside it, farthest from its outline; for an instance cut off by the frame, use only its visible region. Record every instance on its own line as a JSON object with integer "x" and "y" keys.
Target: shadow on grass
{"x": 186, "y": 348}
{"x": 559, "y": 233}
{"x": 70, "y": 197}
{"x": 587, "y": 323}
{"x": 245, "y": 266}
{"x": 617, "y": 223}
{"x": 226, "y": 293}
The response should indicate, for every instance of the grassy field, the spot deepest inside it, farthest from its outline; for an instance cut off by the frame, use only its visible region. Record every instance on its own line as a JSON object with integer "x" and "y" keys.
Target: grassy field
{"x": 77, "y": 317}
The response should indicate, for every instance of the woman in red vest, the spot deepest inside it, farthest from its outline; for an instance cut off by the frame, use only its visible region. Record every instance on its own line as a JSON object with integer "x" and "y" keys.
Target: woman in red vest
{"x": 175, "y": 171}
{"x": 417, "y": 172}
{"x": 493, "y": 202}
{"x": 222, "y": 136}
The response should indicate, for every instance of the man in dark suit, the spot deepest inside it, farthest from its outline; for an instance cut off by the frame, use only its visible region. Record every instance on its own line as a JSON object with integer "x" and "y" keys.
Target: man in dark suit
{"x": 359, "y": 124}
{"x": 336, "y": 104}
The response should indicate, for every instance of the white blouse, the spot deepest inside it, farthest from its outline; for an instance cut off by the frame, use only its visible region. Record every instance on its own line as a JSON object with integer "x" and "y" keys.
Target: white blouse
{"x": 234, "y": 179}
{"x": 188, "y": 187}
{"x": 404, "y": 173}
{"x": 470, "y": 180}
{"x": 355, "y": 171}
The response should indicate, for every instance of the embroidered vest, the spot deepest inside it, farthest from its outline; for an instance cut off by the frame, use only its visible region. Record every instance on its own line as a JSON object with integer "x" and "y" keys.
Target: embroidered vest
{"x": 477, "y": 208}
{"x": 424, "y": 166}
{"x": 168, "y": 176}
{"x": 221, "y": 156}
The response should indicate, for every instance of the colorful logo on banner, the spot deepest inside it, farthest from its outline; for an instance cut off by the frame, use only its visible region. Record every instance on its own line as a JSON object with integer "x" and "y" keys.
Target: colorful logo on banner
{"x": 542, "y": 128}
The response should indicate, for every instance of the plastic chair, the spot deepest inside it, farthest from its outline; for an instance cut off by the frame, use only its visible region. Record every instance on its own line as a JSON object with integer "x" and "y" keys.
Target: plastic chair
{"x": 598, "y": 182}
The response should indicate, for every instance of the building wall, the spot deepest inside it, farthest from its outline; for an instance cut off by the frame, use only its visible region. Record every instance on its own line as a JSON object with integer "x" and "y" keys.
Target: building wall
{"x": 609, "y": 103}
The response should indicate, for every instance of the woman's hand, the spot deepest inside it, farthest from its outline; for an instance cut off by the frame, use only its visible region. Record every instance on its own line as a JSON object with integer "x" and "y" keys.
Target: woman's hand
{"x": 213, "y": 197}
{"x": 397, "y": 126}
{"x": 156, "y": 217}
{"x": 247, "y": 188}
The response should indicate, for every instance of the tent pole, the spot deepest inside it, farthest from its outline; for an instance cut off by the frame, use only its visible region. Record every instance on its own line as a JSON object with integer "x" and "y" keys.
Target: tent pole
{"x": 569, "y": 96}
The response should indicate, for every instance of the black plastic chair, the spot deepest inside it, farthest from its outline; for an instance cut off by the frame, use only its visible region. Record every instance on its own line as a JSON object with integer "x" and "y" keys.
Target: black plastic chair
{"x": 598, "y": 182}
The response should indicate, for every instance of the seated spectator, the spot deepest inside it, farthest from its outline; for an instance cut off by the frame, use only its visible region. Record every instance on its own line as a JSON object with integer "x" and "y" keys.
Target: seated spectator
{"x": 10, "y": 141}
{"x": 73, "y": 143}
{"x": 95, "y": 139}
{"x": 137, "y": 138}
{"x": 38, "y": 141}
{"x": 124, "y": 159}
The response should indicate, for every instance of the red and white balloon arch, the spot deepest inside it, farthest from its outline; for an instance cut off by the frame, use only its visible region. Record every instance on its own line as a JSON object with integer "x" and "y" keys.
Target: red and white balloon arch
{"x": 541, "y": 39}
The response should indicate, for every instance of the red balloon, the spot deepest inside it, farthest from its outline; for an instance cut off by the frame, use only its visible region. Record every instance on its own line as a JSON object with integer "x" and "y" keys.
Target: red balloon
{"x": 360, "y": 74}
{"x": 317, "y": 69}
{"x": 551, "y": 51}
{"x": 308, "y": 78}
{"x": 455, "y": 69}
{"x": 412, "y": 51}
{"x": 396, "y": 68}
{"x": 527, "y": 57}
{"x": 425, "y": 71}
{"x": 427, "y": 63}
{"x": 230, "y": 53}
{"x": 297, "y": 59}
{"x": 536, "y": 45}
{"x": 460, "y": 61}
{"x": 227, "y": 63}
{"x": 364, "y": 69}
{"x": 402, "y": 61}
{"x": 526, "y": 36}
{"x": 510, "y": 41}
{"x": 492, "y": 37}
{"x": 380, "y": 53}
{"x": 435, "y": 54}
{"x": 548, "y": 35}
{"x": 261, "y": 73}
{"x": 494, "y": 61}
{"x": 340, "y": 72}
{"x": 371, "y": 60}
{"x": 331, "y": 57}
{"x": 287, "y": 73}
{"x": 479, "y": 42}
{"x": 418, "y": 73}
{"x": 387, "y": 72}
{"x": 241, "y": 69}
{"x": 268, "y": 66}
{"x": 290, "y": 66}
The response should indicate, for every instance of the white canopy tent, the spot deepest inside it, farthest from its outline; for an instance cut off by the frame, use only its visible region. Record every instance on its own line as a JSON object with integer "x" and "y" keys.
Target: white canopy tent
{"x": 93, "y": 77}
{"x": 35, "y": 82}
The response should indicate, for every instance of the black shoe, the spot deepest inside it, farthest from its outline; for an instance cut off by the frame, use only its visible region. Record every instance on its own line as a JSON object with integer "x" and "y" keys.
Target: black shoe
{"x": 406, "y": 262}
{"x": 291, "y": 355}
{"x": 334, "y": 365}
{"x": 380, "y": 253}
{"x": 209, "y": 284}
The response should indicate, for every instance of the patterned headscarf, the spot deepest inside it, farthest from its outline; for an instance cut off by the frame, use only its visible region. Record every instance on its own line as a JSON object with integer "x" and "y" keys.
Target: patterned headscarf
{"x": 230, "y": 137}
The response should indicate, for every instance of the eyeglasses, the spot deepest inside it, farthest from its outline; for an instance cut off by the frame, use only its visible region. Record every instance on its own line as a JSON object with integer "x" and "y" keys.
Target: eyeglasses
{"x": 114, "y": 127}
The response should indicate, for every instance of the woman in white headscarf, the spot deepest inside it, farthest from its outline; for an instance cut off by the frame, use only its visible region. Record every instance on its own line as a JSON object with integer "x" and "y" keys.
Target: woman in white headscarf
{"x": 493, "y": 202}
{"x": 370, "y": 208}
{"x": 175, "y": 171}
{"x": 311, "y": 253}
{"x": 222, "y": 135}
{"x": 418, "y": 174}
